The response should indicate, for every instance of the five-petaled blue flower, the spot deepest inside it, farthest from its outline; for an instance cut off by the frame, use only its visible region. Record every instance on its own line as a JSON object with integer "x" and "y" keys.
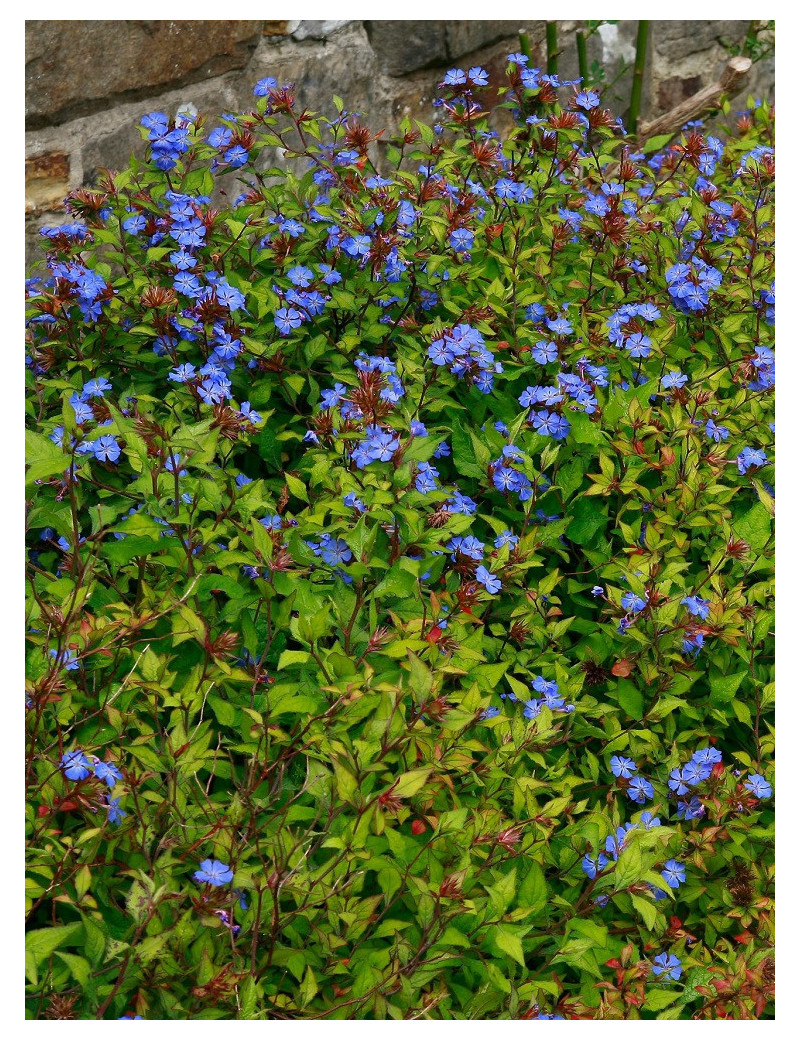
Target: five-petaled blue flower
{"x": 108, "y": 772}
{"x": 633, "y": 603}
{"x": 639, "y": 790}
{"x": 673, "y": 873}
{"x": 214, "y": 872}
{"x": 697, "y": 606}
{"x": 622, "y": 766}
{"x": 115, "y": 814}
{"x": 667, "y": 963}
{"x": 75, "y": 765}
{"x": 461, "y": 239}
{"x": 490, "y": 581}
{"x": 106, "y": 449}
{"x": 750, "y": 457}
{"x": 758, "y": 786}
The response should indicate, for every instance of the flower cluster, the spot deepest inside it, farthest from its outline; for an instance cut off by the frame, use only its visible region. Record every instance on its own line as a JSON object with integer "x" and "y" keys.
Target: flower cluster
{"x": 463, "y": 351}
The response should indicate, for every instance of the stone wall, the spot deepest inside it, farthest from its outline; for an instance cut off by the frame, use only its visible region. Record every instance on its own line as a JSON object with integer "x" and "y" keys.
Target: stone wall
{"x": 82, "y": 109}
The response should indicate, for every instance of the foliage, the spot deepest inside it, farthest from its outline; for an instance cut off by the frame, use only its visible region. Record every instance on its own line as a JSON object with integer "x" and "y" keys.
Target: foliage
{"x": 399, "y": 618}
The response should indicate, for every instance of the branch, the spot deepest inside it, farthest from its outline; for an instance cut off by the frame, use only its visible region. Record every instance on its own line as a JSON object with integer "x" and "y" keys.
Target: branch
{"x": 731, "y": 82}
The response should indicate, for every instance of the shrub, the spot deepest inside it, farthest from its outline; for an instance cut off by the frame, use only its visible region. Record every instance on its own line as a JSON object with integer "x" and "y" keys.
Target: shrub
{"x": 399, "y": 632}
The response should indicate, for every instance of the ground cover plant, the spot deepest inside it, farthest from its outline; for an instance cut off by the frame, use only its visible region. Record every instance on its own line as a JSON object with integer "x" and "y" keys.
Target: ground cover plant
{"x": 399, "y": 619}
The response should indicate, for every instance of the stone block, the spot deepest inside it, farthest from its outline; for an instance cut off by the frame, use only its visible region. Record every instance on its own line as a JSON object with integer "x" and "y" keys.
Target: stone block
{"x": 466, "y": 36}
{"x": 74, "y": 68}
{"x": 315, "y": 30}
{"x": 676, "y": 89}
{"x": 403, "y": 47}
{"x": 676, "y": 39}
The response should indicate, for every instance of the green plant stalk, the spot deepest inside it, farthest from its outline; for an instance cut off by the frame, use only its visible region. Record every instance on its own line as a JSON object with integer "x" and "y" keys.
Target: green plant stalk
{"x": 525, "y": 44}
{"x": 551, "y": 29}
{"x": 583, "y": 67}
{"x": 638, "y": 73}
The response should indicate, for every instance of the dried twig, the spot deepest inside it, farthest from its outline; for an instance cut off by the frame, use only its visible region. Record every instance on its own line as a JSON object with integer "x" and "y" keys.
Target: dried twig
{"x": 731, "y": 82}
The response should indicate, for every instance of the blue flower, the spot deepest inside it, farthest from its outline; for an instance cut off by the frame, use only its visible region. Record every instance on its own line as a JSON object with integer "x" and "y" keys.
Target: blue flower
{"x": 332, "y": 398}
{"x": 264, "y": 86}
{"x": 633, "y": 603}
{"x": 673, "y": 379}
{"x": 352, "y": 501}
{"x": 96, "y": 387}
{"x": 673, "y": 873}
{"x": 478, "y": 77}
{"x": 693, "y": 643}
{"x": 358, "y": 245}
{"x": 490, "y": 581}
{"x": 67, "y": 659}
{"x": 115, "y": 814}
{"x": 667, "y": 963}
{"x": 490, "y": 713}
{"x": 587, "y": 99}
{"x": 107, "y": 771}
{"x": 707, "y": 754}
{"x": 622, "y": 766}
{"x": 559, "y": 327}
{"x": 716, "y": 433}
{"x": 676, "y": 781}
{"x": 695, "y": 773}
{"x": 461, "y": 239}
{"x": 551, "y": 424}
{"x": 336, "y": 552}
{"x": 286, "y": 319}
{"x": 76, "y": 765}
{"x": 691, "y": 810}
{"x": 506, "y": 538}
{"x": 639, "y": 790}
{"x": 236, "y": 156}
{"x": 758, "y": 786}
{"x": 750, "y": 457}
{"x": 544, "y": 352}
{"x": 83, "y": 410}
{"x": 454, "y": 78}
{"x": 213, "y": 872}
{"x": 106, "y": 449}
{"x": 183, "y": 373}
{"x": 597, "y": 590}
{"x": 697, "y": 606}
{"x": 591, "y": 867}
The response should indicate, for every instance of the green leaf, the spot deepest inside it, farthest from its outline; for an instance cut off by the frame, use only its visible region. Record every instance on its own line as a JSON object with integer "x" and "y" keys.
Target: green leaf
{"x": 647, "y": 909}
{"x": 584, "y": 431}
{"x": 588, "y": 518}
{"x": 126, "y": 549}
{"x": 656, "y": 143}
{"x": 308, "y": 987}
{"x": 290, "y": 657}
{"x": 533, "y": 889}
{"x": 411, "y": 782}
{"x": 41, "y": 943}
{"x": 507, "y": 942}
{"x": 630, "y": 866}
{"x": 630, "y": 698}
{"x": 464, "y": 454}
{"x": 297, "y": 487}
{"x": 724, "y": 687}
{"x": 658, "y": 999}
{"x": 44, "y": 458}
{"x": 755, "y": 526}
{"x": 270, "y": 450}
